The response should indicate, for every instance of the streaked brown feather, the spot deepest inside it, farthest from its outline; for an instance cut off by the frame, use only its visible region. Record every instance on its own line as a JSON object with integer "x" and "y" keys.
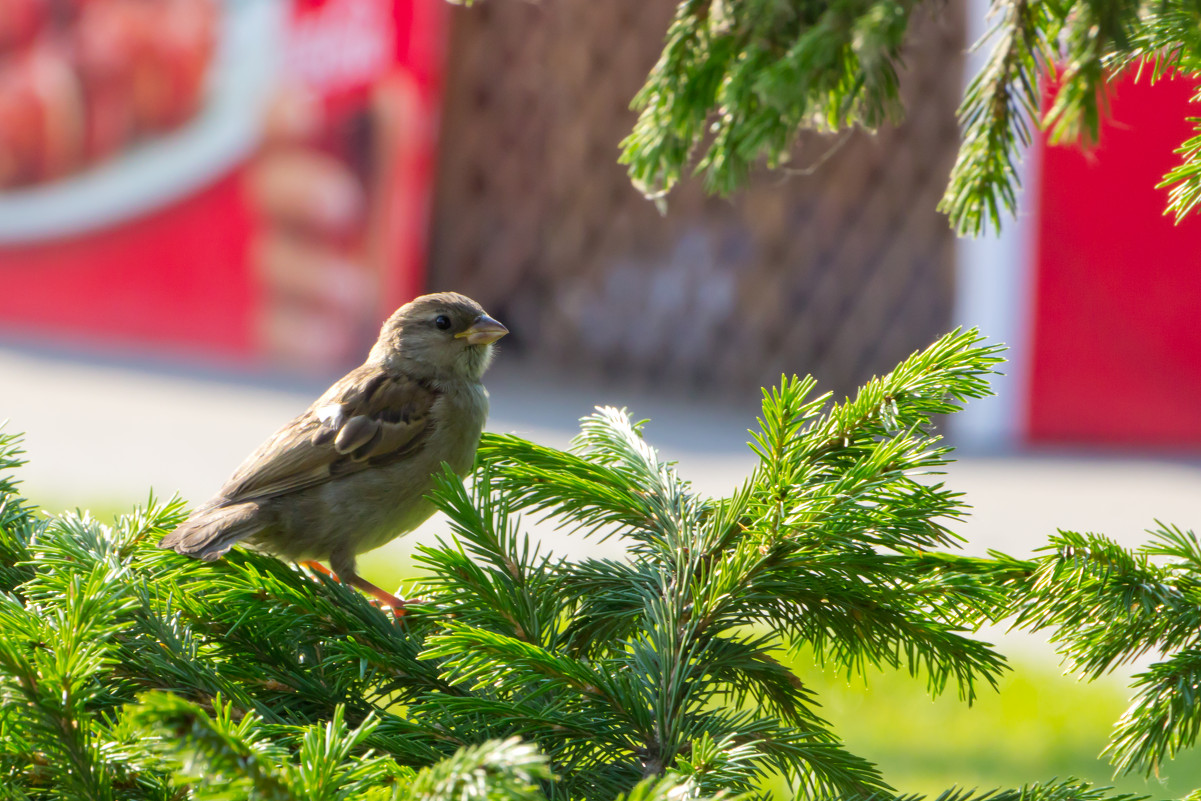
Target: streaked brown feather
{"x": 357, "y": 432}
{"x": 383, "y": 418}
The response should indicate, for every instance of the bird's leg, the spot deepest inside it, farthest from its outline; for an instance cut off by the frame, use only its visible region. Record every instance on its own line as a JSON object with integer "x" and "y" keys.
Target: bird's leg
{"x": 317, "y": 567}
{"x": 350, "y": 576}
{"x": 382, "y": 596}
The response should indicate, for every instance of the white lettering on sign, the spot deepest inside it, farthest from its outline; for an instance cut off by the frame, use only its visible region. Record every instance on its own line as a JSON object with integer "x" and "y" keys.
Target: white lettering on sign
{"x": 342, "y": 44}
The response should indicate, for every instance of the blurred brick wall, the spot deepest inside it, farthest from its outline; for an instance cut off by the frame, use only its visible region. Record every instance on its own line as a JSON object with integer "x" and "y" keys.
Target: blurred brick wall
{"x": 838, "y": 271}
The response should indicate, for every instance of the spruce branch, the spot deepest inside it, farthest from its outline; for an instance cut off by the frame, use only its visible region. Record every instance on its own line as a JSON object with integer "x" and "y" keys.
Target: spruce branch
{"x": 1184, "y": 180}
{"x": 656, "y": 647}
{"x": 1164, "y": 718}
{"x": 738, "y": 80}
{"x": 1093, "y": 34}
{"x": 505, "y": 770}
{"x": 1105, "y": 606}
{"x": 220, "y": 752}
{"x": 497, "y": 578}
{"x": 1070, "y": 790}
{"x": 131, "y": 672}
{"x": 17, "y": 520}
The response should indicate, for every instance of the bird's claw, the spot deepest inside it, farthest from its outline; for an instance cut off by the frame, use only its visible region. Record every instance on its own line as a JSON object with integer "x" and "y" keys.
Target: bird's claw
{"x": 378, "y": 597}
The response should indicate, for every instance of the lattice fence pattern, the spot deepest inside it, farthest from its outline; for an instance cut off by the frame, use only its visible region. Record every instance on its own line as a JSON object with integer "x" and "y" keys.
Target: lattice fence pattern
{"x": 839, "y": 270}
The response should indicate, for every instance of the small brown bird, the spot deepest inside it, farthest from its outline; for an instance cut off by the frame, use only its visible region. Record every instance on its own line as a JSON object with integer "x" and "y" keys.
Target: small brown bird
{"x": 351, "y": 472}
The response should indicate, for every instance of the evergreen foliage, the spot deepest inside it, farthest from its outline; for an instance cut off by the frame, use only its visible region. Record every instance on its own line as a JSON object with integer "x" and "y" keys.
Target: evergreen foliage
{"x": 739, "y": 79}
{"x": 127, "y": 672}
{"x": 1106, "y": 606}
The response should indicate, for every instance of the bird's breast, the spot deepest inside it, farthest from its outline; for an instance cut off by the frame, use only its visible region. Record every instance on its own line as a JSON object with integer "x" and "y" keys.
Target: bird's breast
{"x": 397, "y": 492}
{"x": 459, "y": 425}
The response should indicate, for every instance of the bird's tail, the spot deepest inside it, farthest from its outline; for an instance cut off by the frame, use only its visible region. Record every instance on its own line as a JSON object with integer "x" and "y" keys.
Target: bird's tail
{"x": 212, "y": 531}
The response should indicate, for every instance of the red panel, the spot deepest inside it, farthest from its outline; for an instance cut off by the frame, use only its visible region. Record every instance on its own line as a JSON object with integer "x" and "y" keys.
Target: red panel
{"x": 291, "y": 256}
{"x": 175, "y": 277}
{"x": 1117, "y": 340}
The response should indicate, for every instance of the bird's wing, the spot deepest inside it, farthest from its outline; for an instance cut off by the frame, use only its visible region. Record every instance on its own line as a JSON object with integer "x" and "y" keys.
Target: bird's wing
{"x": 369, "y": 418}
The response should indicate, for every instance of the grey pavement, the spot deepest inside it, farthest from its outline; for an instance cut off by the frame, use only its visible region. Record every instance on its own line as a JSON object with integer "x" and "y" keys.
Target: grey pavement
{"x": 108, "y": 431}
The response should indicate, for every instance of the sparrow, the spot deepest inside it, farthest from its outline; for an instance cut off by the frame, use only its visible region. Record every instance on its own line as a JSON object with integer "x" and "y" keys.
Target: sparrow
{"x": 352, "y": 471}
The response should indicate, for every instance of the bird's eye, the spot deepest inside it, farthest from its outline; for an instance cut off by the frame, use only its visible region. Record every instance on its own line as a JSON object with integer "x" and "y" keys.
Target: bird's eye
{"x": 442, "y": 321}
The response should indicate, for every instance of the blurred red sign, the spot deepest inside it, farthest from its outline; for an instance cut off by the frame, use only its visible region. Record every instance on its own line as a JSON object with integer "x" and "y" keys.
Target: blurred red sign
{"x": 1116, "y": 354}
{"x": 236, "y": 178}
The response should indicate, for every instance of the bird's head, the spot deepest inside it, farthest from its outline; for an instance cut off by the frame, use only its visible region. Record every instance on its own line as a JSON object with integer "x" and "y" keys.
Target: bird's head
{"x": 437, "y": 337}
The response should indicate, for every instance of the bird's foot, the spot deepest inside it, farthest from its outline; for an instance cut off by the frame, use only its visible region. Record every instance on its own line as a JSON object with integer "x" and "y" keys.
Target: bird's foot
{"x": 380, "y": 597}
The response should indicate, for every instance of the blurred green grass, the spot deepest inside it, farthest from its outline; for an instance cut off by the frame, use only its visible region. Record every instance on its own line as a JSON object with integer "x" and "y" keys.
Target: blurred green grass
{"x": 1040, "y": 725}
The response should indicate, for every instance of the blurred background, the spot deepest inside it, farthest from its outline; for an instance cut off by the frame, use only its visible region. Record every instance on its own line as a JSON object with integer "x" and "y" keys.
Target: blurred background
{"x": 208, "y": 206}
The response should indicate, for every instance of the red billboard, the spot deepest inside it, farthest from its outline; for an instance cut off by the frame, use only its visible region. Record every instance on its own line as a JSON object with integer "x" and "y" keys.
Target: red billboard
{"x": 1116, "y": 355}
{"x": 241, "y": 179}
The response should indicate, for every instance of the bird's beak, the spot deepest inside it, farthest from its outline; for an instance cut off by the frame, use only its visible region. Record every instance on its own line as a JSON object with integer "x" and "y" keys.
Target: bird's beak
{"x": 483, "y": 331}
